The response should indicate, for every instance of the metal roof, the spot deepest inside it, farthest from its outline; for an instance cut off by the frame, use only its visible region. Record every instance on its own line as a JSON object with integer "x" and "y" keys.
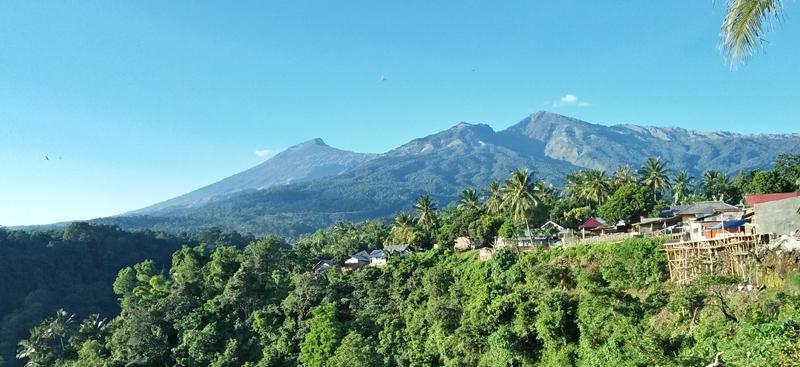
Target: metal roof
{"x": 705, "y": 207}
{"x": 752, "y": 200}
{"x": 592, "y": 222}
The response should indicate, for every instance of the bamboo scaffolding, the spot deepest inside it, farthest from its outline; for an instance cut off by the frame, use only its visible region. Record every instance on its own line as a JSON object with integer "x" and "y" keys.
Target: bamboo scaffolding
{"x": 724, "y": 256}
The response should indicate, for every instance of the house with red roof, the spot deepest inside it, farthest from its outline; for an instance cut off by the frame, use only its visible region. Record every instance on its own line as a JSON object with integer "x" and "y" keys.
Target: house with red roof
{"x": 752, "y": 200}
{"x": 594, "y": 226}
{"x": 778, "y": 216}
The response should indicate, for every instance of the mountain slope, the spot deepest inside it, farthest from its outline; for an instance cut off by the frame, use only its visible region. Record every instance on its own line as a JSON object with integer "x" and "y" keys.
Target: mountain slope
{"x": 303, "y": 162}
{"x": 597, "y": 146}
{"x": 443, "y": 164}
{"x": 440, "y": 165}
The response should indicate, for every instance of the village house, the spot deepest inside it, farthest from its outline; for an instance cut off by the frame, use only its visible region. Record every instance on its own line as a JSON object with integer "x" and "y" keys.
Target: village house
{"x": 356, "y": 261}
{"x": 752, "y": 200}
{"x": 377, "y": 258}
{"x": 560, "y": 234}
{"x": 670, "y": 224}
{"x": 321, "y": 267}
{"x": 693, "y": 218}
{"x": 593, "y": 227}
{"x": 779, "y": 216}
{"x": 397, "y": 250}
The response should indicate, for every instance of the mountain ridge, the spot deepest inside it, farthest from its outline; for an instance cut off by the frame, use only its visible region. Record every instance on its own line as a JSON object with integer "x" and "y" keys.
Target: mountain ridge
{"x": 301, "y": 162}
{"x": 444, "y": 163}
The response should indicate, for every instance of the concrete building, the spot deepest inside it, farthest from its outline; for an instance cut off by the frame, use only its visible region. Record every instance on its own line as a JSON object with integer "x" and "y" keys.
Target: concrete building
{"x": 780, "y": 217}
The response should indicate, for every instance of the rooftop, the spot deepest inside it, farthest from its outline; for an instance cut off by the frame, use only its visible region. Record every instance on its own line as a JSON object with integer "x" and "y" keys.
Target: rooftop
{"x": 752, "y": 200}
{"x": 705, "y": 207}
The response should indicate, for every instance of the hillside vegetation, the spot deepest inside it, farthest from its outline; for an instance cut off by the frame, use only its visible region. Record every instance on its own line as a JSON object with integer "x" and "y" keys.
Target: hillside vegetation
{"x": 75, "y": 268}
{"x": 600, "y": 305}
{"x": 223, "y": 304}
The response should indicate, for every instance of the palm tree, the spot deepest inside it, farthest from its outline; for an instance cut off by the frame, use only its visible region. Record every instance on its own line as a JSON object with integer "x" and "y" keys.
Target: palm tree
{"x": 623, "y": 175}
{"x": 717, "y": 186}
{"x": 468, "y": 199}
{"x": 403, "y": 219}
{"x": 595, "y": 186}
{"x": 712, "y": 177}
{"x": 60, "y": 326}
{"x": 92, "y": 328}
{"x": 572, "y": 184}
{"x": 520, "y": 195}
{"x": 342, "y": 227}
{"x": 654, "y": 175}
{"x": 681, "y": 185}
{"x": 547, "y": 193}
{"x": 712, "y": 181}
{"x": 743, "y": 28}
{"x": 426, "y": 212}
{"x": 35, "y": 348}
{"x": 494, "y": 198}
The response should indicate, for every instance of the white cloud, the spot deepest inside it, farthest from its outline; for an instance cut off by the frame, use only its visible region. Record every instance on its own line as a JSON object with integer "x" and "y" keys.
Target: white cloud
{"x": 570, "y": 100}
{"x": 264, "y": 152}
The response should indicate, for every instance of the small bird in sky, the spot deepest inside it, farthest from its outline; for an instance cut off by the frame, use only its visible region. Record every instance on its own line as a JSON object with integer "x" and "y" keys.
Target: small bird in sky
{"x": 383, "y": 78}
{"x": 45, "y": 157}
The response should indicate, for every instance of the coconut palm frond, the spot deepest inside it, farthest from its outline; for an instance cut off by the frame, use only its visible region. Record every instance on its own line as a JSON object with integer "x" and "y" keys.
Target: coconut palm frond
{"x": 743, "y": 28}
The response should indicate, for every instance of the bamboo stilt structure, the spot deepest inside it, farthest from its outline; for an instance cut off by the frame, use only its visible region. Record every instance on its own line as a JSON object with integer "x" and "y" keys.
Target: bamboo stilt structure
{"x": 724, "y": 256}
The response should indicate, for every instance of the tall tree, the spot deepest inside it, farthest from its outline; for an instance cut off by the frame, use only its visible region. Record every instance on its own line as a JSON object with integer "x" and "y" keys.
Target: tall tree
{"x": 426, "y": 212}
{"x": 36, "y": 348}
{"x": 596, "y": 187}
{"x": 572, "y": 184}
{"x": 403, "y": 219}
{"x": 60, "y": 326}
{"x": 468, "y": 199}
{"x": 546, "y": 190}
{"x": 654, "y": 175}
{"x": 494, "y": 198}
{"x": 628, "y": 203}
{"x": 323, "y": 337}
{"x": 623, "y": 175}
{"x": 789, "y": 166}
{"x": 681, "y": 185}
{"x": 743, "y": 180}
{"x": 717, "y": 186}
{"x": 520, "y": 195}
{"x": 768, "y": 182}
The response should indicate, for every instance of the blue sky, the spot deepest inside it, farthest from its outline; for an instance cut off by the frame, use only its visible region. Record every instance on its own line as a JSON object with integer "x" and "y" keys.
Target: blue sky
{"x": 135, "y": 103}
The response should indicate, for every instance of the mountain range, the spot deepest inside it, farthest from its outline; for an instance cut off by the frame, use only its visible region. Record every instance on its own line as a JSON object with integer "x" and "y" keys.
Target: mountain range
{"x": 312, "y": 185}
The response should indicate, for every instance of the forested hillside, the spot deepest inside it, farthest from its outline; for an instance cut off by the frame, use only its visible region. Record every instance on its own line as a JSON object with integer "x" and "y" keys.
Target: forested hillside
{"x": 600, "y": 305}
{"x": 75, "y": 268}
{"x": 604, "y": 304}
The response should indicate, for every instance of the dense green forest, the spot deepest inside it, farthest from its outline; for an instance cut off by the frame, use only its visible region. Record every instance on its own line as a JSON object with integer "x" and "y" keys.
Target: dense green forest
{"x": 75, "y": 269}
{"x": 221, "y": 303}
{"x": 598, "y": 305}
